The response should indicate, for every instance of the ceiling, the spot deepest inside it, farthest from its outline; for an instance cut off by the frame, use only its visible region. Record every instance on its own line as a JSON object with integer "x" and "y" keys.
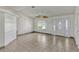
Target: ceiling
{"x": 42, "y": 10}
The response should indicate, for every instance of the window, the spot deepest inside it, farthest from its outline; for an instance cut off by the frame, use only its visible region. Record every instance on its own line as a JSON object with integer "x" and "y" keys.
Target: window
{"x": 41, "y": 25}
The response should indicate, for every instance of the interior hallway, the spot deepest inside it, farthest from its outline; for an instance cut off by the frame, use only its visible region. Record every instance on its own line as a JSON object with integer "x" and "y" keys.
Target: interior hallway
{"x": 38, "y": 42}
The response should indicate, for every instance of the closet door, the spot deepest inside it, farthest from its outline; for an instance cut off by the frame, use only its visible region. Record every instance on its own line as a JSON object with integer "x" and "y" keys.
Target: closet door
{"x": 60, "y": 22}
{"x": 67, "y": 27}
{"x": 54, "y": 26}
{"x": 49, "y": 26}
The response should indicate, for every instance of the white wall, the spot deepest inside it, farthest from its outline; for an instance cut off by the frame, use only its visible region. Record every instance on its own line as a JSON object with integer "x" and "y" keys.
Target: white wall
{"x": 1, "y": 29}
{"x": 7, "y": 28}
{"x": 10, "y": 28}
{"x": 25, "y": 25}
{"x": 77, "y": 26}
{"x": 54, "y": 28}
{"x": 77, "y": 30}
{"x": 64, "y": 25}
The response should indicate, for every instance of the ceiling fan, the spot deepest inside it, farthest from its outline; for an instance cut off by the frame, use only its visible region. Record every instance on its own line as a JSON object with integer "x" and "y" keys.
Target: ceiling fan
{"x": 40, "y": 16}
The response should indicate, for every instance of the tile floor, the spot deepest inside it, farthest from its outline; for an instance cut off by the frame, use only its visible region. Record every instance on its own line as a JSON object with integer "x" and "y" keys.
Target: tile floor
{"x": 37, "y": 42}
